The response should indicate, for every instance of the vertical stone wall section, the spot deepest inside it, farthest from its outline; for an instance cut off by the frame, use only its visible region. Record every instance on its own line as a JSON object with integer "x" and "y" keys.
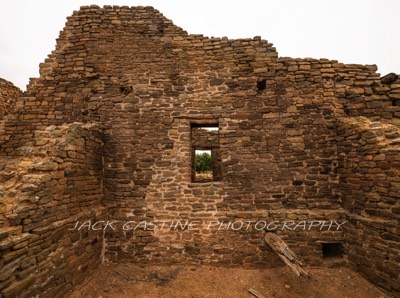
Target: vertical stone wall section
{"x": 370, "y": 191}
{"x": 57, "y": 183}
{"x": 8, "y": 96}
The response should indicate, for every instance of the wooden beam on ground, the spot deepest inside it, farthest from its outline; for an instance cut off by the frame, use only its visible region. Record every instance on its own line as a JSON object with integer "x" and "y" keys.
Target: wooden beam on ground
{"x": 255, "y": 293}
{"x": 286, "y": 254}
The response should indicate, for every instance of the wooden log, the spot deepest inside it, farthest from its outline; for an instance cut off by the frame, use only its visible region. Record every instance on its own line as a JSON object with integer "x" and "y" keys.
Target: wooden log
{"x": 286, "y": 254}
{"x": 255, "y": 293}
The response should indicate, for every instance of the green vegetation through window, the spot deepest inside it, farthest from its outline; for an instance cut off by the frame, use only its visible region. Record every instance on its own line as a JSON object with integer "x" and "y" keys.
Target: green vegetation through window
{"x": 203, "y": 165}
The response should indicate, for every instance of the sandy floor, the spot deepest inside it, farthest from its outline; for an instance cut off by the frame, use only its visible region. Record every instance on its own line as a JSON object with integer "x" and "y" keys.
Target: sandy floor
{"x": 129, "y": 280}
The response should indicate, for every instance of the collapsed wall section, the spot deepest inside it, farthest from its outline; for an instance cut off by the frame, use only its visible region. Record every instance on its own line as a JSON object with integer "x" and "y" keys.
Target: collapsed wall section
{"x": 43, "y": 194}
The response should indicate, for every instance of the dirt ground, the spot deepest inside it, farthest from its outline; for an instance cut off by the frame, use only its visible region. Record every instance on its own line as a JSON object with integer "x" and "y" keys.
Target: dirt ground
{"x": 131, "y": 280}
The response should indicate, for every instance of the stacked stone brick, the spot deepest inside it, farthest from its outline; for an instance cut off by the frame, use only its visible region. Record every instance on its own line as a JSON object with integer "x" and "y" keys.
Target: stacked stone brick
{"x": 107, "y": 132}
{"x": 370, "y": 184}
{"x": 8, "y": 96}
{"x": 56, "y": 183}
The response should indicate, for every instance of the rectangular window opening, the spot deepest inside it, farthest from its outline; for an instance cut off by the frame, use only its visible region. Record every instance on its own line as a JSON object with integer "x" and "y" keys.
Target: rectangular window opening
{"x": 206, "y": 159}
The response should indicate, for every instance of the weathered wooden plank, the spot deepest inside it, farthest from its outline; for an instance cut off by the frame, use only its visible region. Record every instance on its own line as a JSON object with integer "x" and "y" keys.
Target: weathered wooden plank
{"x": 286, "y": 254}
{"x": 255, "y": 293}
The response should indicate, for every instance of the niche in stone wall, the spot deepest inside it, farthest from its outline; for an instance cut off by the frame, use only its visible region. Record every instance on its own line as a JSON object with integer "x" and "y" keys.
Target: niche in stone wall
{"x": 206, "y": 157}
{"x": 332, "y": 250}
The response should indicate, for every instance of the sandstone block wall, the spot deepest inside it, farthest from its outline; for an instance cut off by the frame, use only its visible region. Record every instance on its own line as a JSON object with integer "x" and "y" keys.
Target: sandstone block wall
{"x": 370, "y": 183}
{"x": 8, "y": 96}
{"x": 42, "y": 195}
{"x": 363, "y": 93}
{"x": 283, "y": 144}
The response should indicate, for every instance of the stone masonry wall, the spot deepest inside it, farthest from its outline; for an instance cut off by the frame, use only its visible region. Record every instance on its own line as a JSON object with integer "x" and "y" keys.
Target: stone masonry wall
{"x": 146, "y": 83}
{"x": 363, "y": 93}
{"x": 55, "y": 184}
{"x": 8, "y": 96}
{"x": 370, "y": 182}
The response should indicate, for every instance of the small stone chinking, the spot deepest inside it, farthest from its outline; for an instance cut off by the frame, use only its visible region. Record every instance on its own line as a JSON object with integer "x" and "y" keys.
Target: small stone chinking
{"x": 108, "y": 130}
